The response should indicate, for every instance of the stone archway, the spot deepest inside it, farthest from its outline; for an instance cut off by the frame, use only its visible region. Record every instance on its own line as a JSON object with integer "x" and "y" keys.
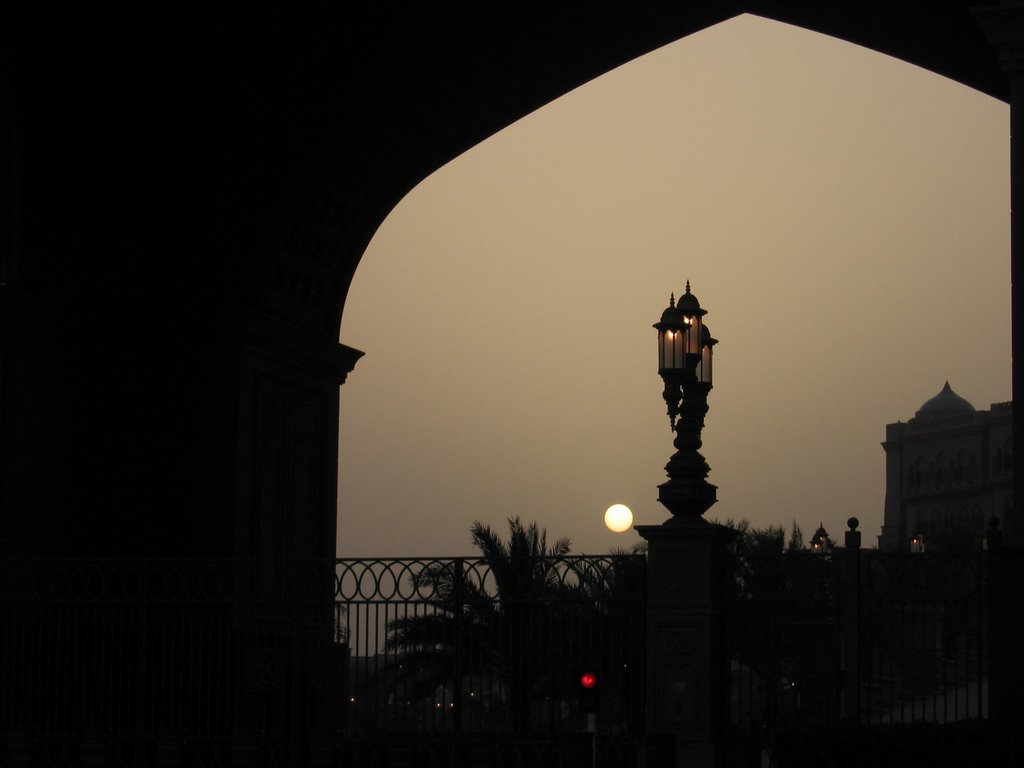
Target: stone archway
{"x": 193, "y": 202}
{"x": 192, "y": 199}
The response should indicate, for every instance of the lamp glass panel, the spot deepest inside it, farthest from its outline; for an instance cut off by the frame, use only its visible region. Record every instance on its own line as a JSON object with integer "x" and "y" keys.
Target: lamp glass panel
{"x": 704, "y": 369}
{"x": 693, "y": 334}
{"x": 670, "y": 352}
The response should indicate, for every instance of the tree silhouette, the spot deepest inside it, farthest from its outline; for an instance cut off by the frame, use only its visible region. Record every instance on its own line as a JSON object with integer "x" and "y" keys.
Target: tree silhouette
{"x": 754, "y": 564}
{"x": 516, "y": 620}
{"x": 491, "y": 615}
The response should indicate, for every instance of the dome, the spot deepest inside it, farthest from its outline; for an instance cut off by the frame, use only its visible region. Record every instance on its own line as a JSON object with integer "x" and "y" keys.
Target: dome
{"x": 946, "y": 403}
{"x": 671, "y": 318}
{"x": 672, "y": 313}
{"x": 688, "y": 303}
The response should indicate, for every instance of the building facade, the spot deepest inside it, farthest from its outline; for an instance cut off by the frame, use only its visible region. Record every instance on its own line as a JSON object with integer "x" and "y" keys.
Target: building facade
{"x": 948, "y": 470}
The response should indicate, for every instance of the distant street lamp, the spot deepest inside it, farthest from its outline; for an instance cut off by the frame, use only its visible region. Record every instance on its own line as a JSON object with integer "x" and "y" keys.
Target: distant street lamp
{"x": 821, "y": 544}
{"x": 917, "y": 543}
{"x": 684, "y": 364}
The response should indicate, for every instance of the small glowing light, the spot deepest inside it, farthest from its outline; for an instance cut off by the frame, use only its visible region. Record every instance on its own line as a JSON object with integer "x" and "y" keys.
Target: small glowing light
{"x": 588, "y": 679}
{"x": 618, "y": 518}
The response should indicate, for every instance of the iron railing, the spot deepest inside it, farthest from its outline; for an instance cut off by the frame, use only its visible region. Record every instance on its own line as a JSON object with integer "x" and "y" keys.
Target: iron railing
{"x": 784, "y": 642}
{"x": 456, "y": 661}
{"x": 120, "y": 662}
{"x": 860, "y": 636}
{"x": 464, "y": 645}
{"x": 352, "y": 663}
{"x": 924, "y": 649}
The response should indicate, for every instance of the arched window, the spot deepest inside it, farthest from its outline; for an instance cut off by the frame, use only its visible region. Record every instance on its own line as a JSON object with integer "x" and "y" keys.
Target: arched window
{"x": 941, "y": 477}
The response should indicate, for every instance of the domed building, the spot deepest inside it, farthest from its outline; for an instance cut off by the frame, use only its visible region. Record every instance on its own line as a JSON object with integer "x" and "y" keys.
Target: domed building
{"x": 947, "y": 471}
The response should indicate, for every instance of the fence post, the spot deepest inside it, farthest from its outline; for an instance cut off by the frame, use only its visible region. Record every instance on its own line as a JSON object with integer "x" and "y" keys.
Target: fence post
{"x": 142, "y": 616}
{"x": 458, "y": 598}
{"x": 1005, "y": 629}
{"x": 850, "y": 582}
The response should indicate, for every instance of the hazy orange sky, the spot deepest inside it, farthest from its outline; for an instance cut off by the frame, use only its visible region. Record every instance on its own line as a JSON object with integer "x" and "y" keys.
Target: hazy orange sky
{"x": 843, "y": 217}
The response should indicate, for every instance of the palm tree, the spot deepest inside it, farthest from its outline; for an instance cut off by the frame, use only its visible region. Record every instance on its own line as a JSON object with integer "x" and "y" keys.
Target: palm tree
{"x": 491, "y": 613}
{"x": 517, "y": 619}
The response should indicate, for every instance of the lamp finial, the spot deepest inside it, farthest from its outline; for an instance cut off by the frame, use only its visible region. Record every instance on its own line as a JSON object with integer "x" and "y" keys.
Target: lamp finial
{"x": 687, "y": 286}
{"x": 672, "y": 299}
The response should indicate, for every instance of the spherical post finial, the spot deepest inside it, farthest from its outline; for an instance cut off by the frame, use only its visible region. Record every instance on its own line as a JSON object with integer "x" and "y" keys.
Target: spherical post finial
{"x": 852, "y": 535}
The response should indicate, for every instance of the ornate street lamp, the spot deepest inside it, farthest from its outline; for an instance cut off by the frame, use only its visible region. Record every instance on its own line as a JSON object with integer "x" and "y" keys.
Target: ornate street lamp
{"x": 687, "y": 561}
{"x": 684, "y": 364}
{"x": 917, "y": 543}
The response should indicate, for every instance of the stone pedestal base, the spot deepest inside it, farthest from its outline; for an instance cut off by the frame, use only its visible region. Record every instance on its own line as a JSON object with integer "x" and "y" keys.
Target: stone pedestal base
{"x": 687, "y": 662}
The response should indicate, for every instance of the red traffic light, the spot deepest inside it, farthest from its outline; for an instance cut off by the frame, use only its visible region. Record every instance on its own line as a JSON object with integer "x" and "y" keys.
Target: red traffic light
{"x": 588, "y": 680}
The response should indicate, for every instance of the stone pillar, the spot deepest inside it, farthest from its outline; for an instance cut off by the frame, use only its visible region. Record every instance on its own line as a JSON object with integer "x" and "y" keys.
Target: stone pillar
{"x": 1003, "y": 25}
{"x": 286, "y": 516}
{"x": 288, "y": 442}
{"x": 894, "y": 524}
{"x": 850, "y": 637}
{"x": 687, "y": 654}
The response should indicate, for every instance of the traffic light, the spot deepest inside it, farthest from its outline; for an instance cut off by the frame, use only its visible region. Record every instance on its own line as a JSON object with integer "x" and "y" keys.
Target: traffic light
{"x": 589, "y": 692}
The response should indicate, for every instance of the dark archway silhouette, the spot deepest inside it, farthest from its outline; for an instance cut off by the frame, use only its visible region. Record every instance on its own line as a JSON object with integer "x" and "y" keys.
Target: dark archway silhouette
{"x": 184, "y": 211}
{"x": 183, "y": 204}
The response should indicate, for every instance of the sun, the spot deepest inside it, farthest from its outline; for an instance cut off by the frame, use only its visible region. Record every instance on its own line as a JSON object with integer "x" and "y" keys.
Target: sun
{"x": 618, "y": 518}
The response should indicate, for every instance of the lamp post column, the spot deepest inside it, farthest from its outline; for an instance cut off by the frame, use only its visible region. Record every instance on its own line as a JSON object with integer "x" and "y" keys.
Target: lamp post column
{"x": 687, "y": 655}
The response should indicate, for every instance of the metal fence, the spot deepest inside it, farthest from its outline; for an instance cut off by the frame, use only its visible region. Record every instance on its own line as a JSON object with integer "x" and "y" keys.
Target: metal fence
{"x": 453, "y": 649}
{"x": 147, "y": 662}
{"x": 925, "y": 650}
{"x": 784, "y": 642}
{"x": 352, "y": 663}
{"x": 457, "y": 661}
{"x": 855, "y": 635}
